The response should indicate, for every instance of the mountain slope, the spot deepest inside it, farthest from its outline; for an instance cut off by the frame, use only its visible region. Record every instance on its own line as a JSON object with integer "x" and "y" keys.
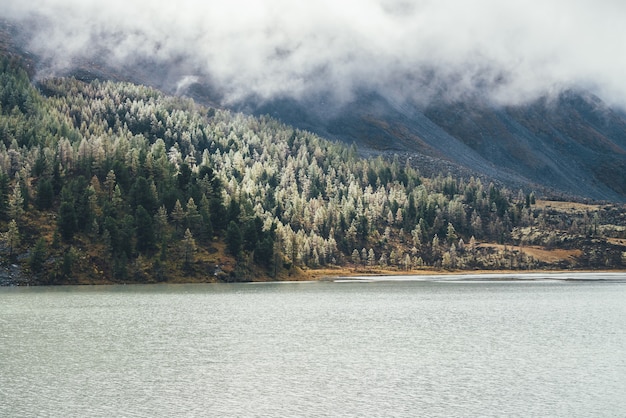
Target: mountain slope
{"x": 573, "y": 145}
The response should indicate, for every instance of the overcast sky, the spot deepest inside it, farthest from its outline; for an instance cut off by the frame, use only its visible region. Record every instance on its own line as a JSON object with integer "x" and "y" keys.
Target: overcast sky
{"x": 513, "y": 50}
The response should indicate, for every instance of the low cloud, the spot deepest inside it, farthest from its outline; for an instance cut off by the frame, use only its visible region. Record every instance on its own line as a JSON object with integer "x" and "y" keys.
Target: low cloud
{"x": 512, "y": 51}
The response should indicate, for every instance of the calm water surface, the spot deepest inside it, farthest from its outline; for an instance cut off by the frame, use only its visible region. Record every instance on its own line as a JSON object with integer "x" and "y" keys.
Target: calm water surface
{"x": 403, "y": 348}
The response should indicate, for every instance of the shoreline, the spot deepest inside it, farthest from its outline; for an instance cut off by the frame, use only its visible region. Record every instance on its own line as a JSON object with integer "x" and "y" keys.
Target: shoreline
{"x": 323, "y": 274}
{"x": 578, "y": 276}
{"x": 375, "y": 275}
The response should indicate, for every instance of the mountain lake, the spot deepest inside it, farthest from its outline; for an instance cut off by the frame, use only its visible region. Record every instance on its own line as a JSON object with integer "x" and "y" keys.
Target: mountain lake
{"x": 520, "y": 345}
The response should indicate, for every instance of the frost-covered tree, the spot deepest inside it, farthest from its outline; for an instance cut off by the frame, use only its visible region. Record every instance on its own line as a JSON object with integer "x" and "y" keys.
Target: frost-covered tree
{"x": 371, "y": 257}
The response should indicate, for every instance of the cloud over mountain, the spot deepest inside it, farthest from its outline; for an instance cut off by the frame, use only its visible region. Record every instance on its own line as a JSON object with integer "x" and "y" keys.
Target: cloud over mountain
{"x": 513, "y": 51}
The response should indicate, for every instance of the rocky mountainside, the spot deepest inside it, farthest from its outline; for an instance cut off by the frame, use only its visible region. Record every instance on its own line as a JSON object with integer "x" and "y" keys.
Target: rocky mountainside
{"x": 573, "y": 145}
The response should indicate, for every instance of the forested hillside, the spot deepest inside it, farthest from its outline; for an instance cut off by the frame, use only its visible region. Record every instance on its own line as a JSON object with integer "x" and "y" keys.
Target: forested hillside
{"x": 114, "y": 182}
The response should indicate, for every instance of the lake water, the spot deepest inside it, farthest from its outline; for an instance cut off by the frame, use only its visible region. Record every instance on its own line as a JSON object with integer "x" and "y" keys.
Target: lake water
{"x": 380, "y": 348}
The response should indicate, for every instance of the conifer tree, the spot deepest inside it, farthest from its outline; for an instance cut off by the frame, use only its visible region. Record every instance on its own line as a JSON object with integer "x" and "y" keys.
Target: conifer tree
{"x": 160, "y": 222}
{"x": 16, "y": 203}
{"x": 38, "y": 256}
{"x": 12, "y": 237}
{"x": 233, "y": 238}
{"x": 356, "y": 258}
{"x": 188, "y": 248}
{"x": 45, "y": 194}
{"x": 192, "y": 216}
{"x": 67, "y": 222}
{"x": 451, "y": 233}
{"x": 144, "y": 229}
{"x": 178, "y": 215}
{"x": 371, "y": 258}
{"x": 383, "y": 260}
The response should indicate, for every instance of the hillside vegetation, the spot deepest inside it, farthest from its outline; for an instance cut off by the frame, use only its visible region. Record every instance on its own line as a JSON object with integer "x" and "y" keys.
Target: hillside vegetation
{"x": 114, "y": 182}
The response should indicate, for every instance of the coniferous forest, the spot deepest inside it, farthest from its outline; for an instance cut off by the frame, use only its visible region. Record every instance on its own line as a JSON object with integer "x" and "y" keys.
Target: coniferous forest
{"x": 113, "y": 182}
